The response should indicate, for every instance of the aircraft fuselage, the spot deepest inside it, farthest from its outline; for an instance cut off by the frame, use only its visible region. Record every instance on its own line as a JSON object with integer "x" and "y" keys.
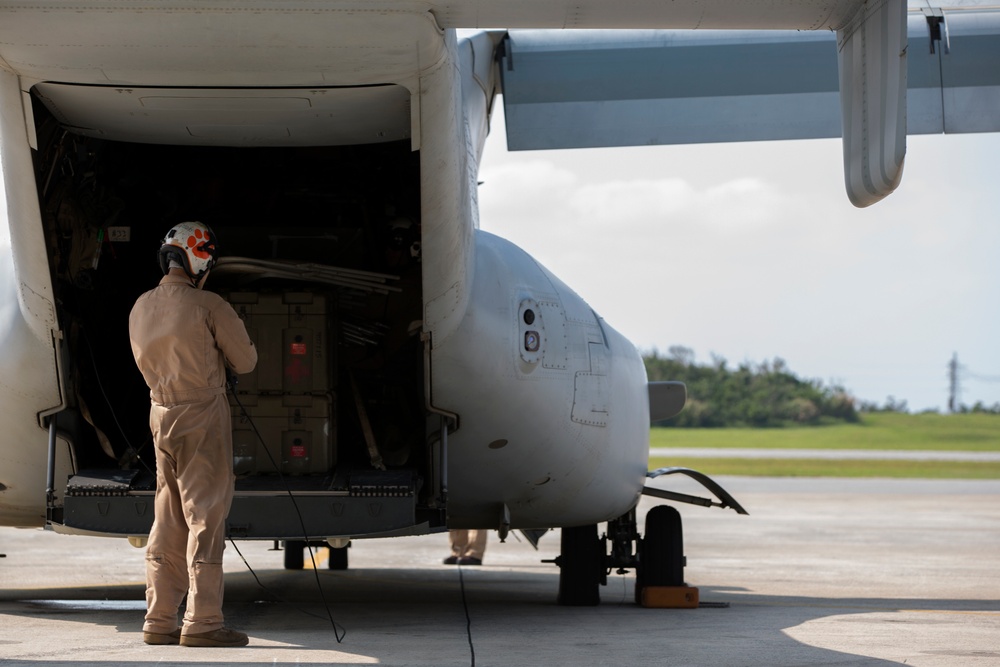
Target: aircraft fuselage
{"x": 534, "y": 411}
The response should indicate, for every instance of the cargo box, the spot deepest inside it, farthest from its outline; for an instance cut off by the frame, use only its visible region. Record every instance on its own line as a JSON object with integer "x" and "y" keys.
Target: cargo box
{"x": 291, "y": 332}
{"x": 301, "y": 439}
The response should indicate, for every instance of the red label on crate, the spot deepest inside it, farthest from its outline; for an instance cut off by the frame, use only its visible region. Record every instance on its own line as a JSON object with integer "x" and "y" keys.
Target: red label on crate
{"x": 297, "y": 451}
{"x": 299, "y": 348}
{"x": 297, "y": 371}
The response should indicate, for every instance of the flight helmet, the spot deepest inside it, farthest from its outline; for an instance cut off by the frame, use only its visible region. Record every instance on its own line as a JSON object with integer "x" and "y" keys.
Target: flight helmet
{"x": 193, "y": 246}
{"x": 404, "y": 236}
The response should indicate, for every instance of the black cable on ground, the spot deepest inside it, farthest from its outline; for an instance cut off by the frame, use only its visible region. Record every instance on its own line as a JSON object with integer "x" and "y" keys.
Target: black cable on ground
{"x": 269, "y": 591}
{"x": 468, "y": 618}
{"x": 338, "y": 632}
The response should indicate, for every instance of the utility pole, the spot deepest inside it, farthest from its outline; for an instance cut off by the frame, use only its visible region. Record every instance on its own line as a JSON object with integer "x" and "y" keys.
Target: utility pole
{"x": 953, "y": 383}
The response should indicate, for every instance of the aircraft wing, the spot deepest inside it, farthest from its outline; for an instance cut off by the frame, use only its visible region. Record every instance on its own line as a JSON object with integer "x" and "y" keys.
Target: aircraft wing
{"x": 570, "y": 89}
{"x": 575, "y": 89}
{"x": 582, "y": 89}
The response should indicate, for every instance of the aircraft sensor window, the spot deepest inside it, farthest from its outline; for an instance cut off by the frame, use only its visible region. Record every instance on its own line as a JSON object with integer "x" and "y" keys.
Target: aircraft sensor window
{"x": 532, "y": 331}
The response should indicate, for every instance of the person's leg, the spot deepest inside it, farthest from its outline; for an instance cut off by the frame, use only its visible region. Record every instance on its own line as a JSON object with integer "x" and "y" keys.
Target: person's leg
{"x": 458, "y": 540}
{"x": 166, "y": 561}
{"x": 475, "y": 548}
{"x": 477, "y": 544}
{"x": 207, "y": 488}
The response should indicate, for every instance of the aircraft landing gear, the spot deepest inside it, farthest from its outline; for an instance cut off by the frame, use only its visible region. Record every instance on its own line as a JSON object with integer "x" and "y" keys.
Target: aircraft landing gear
{"x": 658, "y": 558}
{"x": 581, "y": 566}
{"x": 338, "y": 558}
{"x": 295, "y": 555}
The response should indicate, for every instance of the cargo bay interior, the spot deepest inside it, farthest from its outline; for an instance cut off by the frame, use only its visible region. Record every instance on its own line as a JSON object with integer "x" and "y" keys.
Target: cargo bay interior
{"x": 321, "y": 258}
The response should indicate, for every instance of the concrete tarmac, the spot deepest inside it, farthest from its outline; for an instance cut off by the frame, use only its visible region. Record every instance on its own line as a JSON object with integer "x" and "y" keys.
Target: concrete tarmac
{"x": 822, "y": 572}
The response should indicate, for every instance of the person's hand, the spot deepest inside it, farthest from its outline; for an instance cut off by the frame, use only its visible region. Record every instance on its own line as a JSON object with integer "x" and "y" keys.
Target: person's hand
{"x": 232, "y": 379}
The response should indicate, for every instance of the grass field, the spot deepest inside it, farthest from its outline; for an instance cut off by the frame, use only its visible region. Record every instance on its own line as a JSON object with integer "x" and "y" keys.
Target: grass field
{"x": 827, "y": 468}
{"x": 968, "y": 433}
{"x": 884, "y": 431}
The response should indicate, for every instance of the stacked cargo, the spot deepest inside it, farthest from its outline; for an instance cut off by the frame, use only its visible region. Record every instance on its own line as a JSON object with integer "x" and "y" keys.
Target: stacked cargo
{"x": 289, "y": 396}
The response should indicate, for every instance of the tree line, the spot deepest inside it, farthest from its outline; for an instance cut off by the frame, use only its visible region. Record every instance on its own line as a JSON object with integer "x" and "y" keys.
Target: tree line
{"x": 767, "y": 394}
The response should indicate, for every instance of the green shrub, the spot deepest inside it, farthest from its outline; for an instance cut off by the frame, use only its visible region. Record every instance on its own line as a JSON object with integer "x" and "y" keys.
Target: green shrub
{"x": 760, "y": 395}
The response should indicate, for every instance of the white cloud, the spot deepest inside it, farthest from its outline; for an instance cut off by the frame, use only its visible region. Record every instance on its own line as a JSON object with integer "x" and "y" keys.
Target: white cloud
{"x": 753, "y": 251}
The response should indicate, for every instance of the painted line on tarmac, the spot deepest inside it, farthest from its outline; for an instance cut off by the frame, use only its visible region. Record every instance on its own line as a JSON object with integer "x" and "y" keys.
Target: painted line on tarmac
{"x": 861, "y": 606}
{"x": 824, "y": 454}
{"x": 951, "y": 611}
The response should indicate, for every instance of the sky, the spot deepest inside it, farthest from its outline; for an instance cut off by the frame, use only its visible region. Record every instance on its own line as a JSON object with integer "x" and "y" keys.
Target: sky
{"x": 752, "y": 251}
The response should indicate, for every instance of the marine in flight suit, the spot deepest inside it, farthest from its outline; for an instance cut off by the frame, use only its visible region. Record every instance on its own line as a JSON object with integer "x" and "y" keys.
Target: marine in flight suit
{"x": 183, "y": 340}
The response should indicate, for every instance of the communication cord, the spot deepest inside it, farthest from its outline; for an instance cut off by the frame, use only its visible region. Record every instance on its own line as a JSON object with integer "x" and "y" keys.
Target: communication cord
{"x": 338, "y": 632}
{"x": 268, "y": 590}
{"x": 468, "y": 618}
{"x": 111, "y": 408}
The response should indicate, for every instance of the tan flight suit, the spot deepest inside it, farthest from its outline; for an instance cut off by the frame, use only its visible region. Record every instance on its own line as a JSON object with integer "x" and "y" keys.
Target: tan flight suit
{"x": 182, "y": 339}
{"x": 468, "y": 543}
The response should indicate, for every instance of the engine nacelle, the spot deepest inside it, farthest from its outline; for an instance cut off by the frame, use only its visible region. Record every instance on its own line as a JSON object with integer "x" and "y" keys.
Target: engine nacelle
{"x": 560, "y": 433}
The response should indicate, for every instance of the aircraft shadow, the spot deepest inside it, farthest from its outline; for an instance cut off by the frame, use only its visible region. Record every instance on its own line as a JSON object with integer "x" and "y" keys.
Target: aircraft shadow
{"x": 418, "y": 617}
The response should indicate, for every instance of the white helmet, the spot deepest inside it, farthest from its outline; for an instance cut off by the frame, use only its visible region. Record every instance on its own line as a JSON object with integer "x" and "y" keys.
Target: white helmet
{"x": 404, "y": 236}
{"x": 193, "y": 246}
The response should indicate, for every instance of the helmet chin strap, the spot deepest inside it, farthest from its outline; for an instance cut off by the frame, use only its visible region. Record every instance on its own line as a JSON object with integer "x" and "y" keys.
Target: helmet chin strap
{"x": 196, "y": 281}
{"x": 181, "y": 271}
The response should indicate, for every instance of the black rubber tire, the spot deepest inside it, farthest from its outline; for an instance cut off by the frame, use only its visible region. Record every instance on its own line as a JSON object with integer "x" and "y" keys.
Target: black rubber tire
{"x": 581, "y": 567}
{"x": 338, "y": 559}
{"x": 661, "y": 554}
{"x": 295, "y": 558}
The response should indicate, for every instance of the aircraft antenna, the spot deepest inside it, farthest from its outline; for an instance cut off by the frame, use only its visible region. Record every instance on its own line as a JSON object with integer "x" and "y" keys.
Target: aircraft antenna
{"x": 953, "y": 383}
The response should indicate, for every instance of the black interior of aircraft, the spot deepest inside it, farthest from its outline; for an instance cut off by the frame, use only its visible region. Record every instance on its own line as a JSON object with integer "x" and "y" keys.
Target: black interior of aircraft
{"x": 106, "y": 206}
